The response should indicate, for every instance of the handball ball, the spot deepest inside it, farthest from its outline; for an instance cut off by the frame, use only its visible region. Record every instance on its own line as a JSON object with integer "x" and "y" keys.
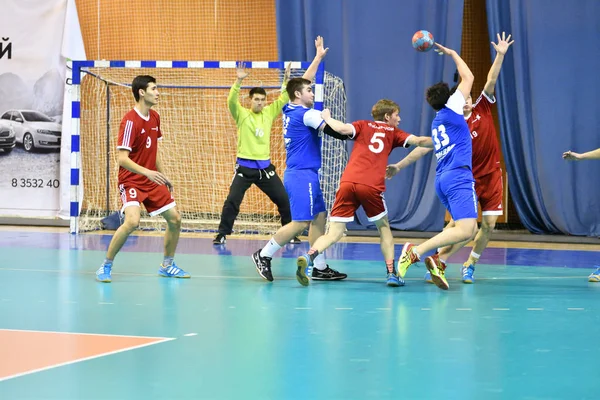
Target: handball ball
{"x": 422, "y": 40}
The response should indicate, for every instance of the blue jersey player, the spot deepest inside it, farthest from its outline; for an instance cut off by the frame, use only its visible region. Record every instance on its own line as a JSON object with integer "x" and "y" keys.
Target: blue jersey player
{"x": 303, "y": 128}
{"x": 454, "y": 181}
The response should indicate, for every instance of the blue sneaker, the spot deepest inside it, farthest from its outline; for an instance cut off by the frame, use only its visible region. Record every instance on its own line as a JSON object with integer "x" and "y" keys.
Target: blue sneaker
{"x": 428, "y": 277}
{"x": 595, "y": 276}
{"x": 103, "y": 273}
{"x": 394, "y": 280}
{"x": 304, "y": 269}
{"x": 172, "y": 271}
{"x": 467, "y": 273}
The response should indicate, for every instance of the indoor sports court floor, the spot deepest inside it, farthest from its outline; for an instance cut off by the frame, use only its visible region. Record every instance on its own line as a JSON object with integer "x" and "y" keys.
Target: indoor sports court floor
{"x": 527, "y": 329}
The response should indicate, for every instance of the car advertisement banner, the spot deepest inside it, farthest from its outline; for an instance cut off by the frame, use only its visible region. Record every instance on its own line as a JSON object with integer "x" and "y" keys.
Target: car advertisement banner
{"x": 32, "y": 87}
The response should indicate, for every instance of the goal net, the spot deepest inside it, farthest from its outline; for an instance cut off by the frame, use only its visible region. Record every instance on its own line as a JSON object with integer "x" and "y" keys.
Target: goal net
{"x": 200, "y": 139}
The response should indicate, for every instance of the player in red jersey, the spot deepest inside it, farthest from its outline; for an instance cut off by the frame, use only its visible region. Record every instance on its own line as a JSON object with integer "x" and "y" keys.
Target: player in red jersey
{"x": 142, "y": 179}
{"x": 363, "y": 180}
{"x": 486, "y": 164}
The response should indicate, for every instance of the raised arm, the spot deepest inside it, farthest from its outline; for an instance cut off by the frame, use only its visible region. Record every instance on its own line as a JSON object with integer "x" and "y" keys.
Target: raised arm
{"x": 311, "y": 71}
{"x": 501, "y": 49}
{"x": 274, "y": 109}
{"x": 466, "y": 76}
{"x": 233, "y": 102}
{"x": 590, "y": 155}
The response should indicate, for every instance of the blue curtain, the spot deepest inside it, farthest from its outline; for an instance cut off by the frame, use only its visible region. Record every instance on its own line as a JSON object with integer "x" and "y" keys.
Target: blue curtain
{"x": 370, "y": 49}
{"x": 548, "y": 103}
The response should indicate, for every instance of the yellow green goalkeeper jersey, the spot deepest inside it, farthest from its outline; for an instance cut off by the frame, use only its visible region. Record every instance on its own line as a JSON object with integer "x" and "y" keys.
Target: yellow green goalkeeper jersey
{"x": 254, "y": 130}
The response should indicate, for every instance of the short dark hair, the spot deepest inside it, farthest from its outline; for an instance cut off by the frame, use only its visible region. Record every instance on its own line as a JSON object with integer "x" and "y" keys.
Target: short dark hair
{"x": 257, "y": 90}
{"x": 437, "y": 95}
{"x": 295, "y": 85}
{"x": 140, "y": 82}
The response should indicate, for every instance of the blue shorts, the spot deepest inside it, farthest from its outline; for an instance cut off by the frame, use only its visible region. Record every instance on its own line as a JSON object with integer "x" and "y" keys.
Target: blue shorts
{"x": 456, "y": 190}
{"x": 304, "y": 190}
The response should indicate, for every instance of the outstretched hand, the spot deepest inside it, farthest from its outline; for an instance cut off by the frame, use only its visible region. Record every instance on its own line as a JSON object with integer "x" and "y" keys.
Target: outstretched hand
{"x": 391, "y": 170}
{"x": 503, "y": 43}
{"x": 441, "y": 50}
{"x": 326, "y": 114}
{"x": 321, "y": 49}
{"x": 571, "y": 155}
{"x": 241, "y": 70}
{"x": 288, "y": 71}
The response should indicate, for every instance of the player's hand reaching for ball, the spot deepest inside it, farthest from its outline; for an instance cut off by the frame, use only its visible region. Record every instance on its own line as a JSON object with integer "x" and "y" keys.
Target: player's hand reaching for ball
{"x": 571, "y": 155}
{"x": 157, "y": 177}
{"x": 441, "y": 50}
{"x": 503, "y": 43}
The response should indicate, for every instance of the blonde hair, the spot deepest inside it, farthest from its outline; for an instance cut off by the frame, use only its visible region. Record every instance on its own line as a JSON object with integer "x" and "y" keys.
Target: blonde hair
{"x": 382, "y": 107}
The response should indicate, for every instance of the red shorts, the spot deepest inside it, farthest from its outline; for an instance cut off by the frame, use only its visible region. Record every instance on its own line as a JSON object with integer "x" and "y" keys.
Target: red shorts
{"x": 350, "y": 196}
{"x": 489, "y": 193}
{"x": 156, "y": 200}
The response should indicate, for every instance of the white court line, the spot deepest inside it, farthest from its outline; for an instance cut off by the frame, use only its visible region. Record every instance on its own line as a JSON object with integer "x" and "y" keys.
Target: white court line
{"x": 383, "y": 309}
{"x": 190, "y": 334}
{"x": 343, "y": 308}
{"x": 85, "y": 334}
{"x": 575, "y": 309}
{"x": 302, "y": 308}
{"x": 501, "y": 309}
{"x": 159, "y": 340}
{"x": 535, "y": 309}
{"x": 464, "y": 309}
{"x": 425, "y": 309}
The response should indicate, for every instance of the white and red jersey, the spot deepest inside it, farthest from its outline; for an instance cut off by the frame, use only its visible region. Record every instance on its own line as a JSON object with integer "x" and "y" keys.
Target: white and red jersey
{"x": 374, "y": 141}
{"x": 486, "y": 150}
{"x": 139, "y": 135}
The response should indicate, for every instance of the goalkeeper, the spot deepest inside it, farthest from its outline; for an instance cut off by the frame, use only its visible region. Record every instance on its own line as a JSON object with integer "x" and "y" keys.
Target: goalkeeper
{"x": 253, "y": 164}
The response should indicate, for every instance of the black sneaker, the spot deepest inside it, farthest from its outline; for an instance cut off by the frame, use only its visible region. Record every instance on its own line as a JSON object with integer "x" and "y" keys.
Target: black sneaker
{"x": 295, "y": 240}
{"x": 220, "y": 239}
{"x": 327, "y": 274}
{"x": 263, "y": 266}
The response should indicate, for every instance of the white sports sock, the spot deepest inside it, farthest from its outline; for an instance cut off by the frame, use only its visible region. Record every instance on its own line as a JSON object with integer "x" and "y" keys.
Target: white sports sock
{"x": 270, "y": 249}
{"x": 319, "y": 262}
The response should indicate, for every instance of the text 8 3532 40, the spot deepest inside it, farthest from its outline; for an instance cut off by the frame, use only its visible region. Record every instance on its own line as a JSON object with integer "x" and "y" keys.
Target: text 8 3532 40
{"x": 35, "y": 183}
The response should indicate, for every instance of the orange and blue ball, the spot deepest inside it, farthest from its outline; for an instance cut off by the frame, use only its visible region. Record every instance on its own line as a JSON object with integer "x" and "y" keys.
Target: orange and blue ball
{"x": 423, "y": 41}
